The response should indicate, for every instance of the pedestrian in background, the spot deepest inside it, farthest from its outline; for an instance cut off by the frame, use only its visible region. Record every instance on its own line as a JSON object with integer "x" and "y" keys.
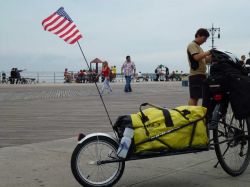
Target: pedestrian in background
{"x": 4, "y": 80}
{"x": 106, "y": 74}
{"x": 248, "y": 60}
{"x": 128, "y": 69}
{"x": 242, "y": 60}
{"x": 197, "y": 59}
{"x": 12, "y": 75}
{"x": 113, "y": 73}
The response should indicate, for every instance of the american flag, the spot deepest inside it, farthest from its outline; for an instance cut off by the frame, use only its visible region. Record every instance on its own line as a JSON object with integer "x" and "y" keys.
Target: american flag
{"x": 62, "y": 25}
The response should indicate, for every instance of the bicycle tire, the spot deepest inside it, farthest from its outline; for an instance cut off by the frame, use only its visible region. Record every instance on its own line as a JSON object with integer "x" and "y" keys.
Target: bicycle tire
{"x": 84, "y": 162}
{"x": 231, "y": 130}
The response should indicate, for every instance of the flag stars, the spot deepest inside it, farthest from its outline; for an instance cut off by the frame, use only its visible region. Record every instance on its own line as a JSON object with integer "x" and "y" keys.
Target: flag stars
{"x": 62, "y": 13}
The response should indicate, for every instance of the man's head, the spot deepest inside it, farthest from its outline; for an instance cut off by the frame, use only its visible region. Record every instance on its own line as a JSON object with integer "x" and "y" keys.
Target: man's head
{"x": 128, "y": 58}
{"x": 243, "y": 57}
{"x": 201, "y": 36}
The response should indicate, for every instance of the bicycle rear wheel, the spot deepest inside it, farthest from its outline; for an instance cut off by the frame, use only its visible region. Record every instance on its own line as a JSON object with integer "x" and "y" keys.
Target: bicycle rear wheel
{"x": 231, "y": 143}
{"x": 85, "y": 164}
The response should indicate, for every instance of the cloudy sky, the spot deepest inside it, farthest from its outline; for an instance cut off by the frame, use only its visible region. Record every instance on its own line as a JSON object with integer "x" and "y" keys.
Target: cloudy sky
{"x": 151, "y": 32}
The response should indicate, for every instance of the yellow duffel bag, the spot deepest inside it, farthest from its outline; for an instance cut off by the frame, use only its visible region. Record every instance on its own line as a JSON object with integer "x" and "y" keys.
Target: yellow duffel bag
{"x": 159, "y": 128}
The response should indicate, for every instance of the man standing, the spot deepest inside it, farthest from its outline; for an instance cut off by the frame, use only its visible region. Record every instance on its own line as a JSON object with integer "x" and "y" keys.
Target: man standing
{"x": 242, "y": 60}
{"x": 128, "y": 69}
{"x": 197, "y": 61}
{"x": 248, "y": 60}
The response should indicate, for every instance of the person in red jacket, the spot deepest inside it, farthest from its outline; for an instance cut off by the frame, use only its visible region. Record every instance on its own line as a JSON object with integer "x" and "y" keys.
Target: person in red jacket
{"x": 106, "y": 74}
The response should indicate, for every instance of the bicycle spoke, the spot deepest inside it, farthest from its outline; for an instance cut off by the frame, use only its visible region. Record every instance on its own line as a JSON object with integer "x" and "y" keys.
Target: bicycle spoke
{"x": 226, "y": 150}
{"x": 104, "y": 177}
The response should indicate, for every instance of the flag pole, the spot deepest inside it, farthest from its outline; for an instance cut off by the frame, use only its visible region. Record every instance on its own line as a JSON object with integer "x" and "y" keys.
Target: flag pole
{"x": 96, "y": 87}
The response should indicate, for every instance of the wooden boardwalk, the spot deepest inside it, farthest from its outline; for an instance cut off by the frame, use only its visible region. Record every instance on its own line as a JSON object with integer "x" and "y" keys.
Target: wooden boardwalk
{"x": 37, "y": 113}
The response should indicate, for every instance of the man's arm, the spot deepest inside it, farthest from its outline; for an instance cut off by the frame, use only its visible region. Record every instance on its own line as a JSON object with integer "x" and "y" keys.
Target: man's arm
{"x": 209, "y": 59}
{"x": 199, "y": 56}
{"x": 194, "y": 51}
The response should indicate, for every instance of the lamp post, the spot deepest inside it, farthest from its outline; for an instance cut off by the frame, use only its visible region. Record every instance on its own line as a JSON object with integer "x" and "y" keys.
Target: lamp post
{"x": 213, "y": 31}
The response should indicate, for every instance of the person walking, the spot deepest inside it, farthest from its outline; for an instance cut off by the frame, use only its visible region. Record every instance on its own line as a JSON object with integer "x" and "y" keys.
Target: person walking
{"x": 128, "y": 69}
{"x": 197, "y": 59}
{"x": 4, "y": 80}
{"x": 106, "y": 74}
{"x": 12, "y": 76}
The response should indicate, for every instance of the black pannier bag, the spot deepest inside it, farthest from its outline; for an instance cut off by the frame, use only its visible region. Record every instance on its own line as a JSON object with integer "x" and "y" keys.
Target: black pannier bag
{"x": 233, "y": 81}
{"x": 212, "y": 86}
{"x": 216, "y": 83}
{"x": 239, "y": 97}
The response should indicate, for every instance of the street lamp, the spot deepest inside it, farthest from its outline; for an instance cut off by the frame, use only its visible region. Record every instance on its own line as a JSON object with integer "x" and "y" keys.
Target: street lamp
{"x": 213, "y": 31}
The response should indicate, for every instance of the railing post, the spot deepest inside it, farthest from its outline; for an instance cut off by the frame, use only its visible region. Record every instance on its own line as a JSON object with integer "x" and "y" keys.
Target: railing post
{"x": 37, "y": 77}
{"x": 54, "y": 77}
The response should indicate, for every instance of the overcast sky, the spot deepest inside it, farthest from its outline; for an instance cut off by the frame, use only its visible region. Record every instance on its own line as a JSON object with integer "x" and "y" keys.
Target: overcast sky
{"x": 151, "y": 32}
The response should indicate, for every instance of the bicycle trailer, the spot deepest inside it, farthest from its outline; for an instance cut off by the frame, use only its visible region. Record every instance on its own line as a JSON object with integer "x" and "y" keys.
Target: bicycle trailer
{"x": 159, "y": 128}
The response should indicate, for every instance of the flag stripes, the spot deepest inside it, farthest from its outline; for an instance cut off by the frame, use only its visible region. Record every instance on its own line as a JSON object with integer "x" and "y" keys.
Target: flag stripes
{"x": 61, "y": 24}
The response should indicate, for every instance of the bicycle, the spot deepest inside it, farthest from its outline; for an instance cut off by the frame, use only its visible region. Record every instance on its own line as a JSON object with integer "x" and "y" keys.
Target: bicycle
{"x": 95, "y": 162}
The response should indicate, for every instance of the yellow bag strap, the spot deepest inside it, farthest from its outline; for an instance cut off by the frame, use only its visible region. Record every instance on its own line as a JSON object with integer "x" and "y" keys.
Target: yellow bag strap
{"x": 183, "y": 113}
{"x": 166, "y": 113}
{"x": 167, "y": 116}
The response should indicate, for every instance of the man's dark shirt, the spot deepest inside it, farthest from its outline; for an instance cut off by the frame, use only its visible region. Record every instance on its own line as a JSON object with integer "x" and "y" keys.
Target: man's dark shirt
{"x": 248, "y": 61}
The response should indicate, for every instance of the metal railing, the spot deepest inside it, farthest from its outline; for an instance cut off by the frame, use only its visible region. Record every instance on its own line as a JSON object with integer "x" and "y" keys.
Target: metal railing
{"x": 58, "y": 77}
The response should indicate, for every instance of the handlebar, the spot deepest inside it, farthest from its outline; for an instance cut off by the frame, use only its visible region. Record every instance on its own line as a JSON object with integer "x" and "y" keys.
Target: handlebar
{"x": 215, "y": 55}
